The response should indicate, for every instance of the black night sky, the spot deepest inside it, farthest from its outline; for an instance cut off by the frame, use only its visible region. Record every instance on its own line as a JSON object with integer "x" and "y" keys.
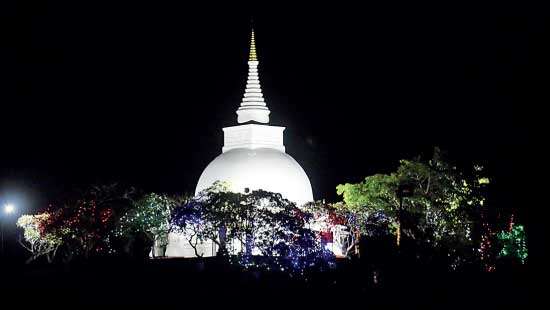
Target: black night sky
{"x": 138, "y": 92}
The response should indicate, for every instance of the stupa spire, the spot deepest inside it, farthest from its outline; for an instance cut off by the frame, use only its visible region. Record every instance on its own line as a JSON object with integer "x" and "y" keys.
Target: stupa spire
{"x": 253, "y": 107}
{"x": 252, "y": 55}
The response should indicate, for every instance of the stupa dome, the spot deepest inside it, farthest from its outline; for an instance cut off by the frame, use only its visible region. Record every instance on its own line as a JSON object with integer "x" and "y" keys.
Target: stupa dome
{"x": 260, "y": 168}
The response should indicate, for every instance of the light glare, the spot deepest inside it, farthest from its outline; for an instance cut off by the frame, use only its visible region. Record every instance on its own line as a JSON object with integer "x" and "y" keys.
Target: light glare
{"x": 9, "y": 208}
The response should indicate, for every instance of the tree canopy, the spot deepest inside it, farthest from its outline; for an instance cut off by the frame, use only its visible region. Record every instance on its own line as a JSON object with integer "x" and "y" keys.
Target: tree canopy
{"x": 439, "y": 211}
{"x": 149, "y": 215}
{"x": 258, "y": 229}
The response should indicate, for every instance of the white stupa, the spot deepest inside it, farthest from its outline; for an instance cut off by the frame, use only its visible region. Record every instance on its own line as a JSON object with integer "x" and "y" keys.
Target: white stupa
{"x": 253, "y": 156}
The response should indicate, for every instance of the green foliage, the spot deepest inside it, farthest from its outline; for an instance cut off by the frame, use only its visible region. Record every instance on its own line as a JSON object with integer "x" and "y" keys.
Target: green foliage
{"x": 514, "y": 243}
{"x": 440, "y": 211}
{"x": 150, "y": 215}
{"x": 375, "y": 194}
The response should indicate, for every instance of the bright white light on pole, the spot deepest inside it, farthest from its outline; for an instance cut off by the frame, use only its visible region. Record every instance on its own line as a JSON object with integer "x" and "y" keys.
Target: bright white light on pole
{"x": 9, "y": 208}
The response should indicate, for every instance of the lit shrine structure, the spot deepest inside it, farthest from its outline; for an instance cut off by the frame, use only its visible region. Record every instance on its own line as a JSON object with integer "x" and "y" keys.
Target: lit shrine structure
{"x": 253, "y": 157}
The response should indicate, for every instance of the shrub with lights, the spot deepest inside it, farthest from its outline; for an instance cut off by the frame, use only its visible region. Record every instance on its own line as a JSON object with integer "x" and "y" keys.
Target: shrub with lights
{"x": 257, "y": 230}
{"x": 84, "y": 228}
{"x": 513, "y": 244}
{"x": 36, "y": 240}
{"x": 81, "y": 228}
{"x": 149, "y": 215}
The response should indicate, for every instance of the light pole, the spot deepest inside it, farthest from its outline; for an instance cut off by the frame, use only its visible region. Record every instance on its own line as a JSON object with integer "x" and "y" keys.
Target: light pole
{"x": 8, "y": 209}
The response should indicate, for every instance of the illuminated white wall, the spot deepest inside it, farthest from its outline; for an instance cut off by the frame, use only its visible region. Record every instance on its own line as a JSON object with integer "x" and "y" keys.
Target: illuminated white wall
{"x": 179, "y": 246}
{"x": 253, "y": 136}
